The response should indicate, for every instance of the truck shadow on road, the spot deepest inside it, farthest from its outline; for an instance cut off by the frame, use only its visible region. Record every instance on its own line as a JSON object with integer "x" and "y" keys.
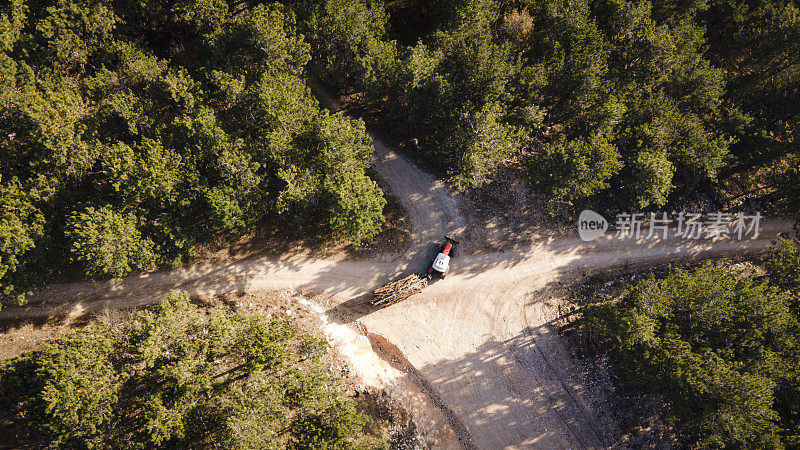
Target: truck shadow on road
{"x": 551, "y": 256}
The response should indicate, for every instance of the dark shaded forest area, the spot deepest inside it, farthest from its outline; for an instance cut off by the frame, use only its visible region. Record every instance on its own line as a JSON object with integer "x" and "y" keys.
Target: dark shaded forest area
{"x": 624, "y": 101}
{"x": 720, "y": 344}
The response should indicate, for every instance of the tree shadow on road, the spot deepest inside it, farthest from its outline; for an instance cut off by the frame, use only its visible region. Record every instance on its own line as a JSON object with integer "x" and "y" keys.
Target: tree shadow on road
{"x": 520, "y": 392}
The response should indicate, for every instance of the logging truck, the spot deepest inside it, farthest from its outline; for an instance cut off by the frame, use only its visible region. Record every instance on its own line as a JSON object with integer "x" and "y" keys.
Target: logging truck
{"x": 406, "y": 287}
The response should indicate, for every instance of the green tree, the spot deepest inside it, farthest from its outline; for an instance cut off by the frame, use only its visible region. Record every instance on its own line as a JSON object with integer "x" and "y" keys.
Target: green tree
{"x": 21, "y": 225}
{"x": 450, "y": 95}
{"x": 348, "y": 42}
{"x": 574, "y": 170}
{"x": 174, "y": 376}
{"x": 72, "y": 29}
{"x": 330, "y": 426}
{"x": 164, "y": 126}
{"x": 651, "y": 179}
{"x": 107, "y": 242}
{"x": 354, "y": 213}
{"x": 757, "y": 43}
{"x": 483, "y": 80}
{"x": 354, "y": 201}
{"x": 783, "y": 265}
{"x": 717, "y": 344}
{"x": 71, "y": 387}
{"x": 12, "y": 20}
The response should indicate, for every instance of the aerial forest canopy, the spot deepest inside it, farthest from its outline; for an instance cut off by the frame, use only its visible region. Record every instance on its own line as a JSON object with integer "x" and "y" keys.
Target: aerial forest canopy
{"x": 171, "y": 376}
{"x": 131, "y": 131}
{"x": 719, "y": 344}
{"x": 631, "y": 100}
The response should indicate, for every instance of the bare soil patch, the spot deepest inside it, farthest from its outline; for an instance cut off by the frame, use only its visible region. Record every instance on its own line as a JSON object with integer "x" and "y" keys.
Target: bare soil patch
{"x": 506, "y": 214}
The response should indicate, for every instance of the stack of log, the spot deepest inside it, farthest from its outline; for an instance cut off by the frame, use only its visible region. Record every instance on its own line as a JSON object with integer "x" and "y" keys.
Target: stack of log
{"x": 399, "y": 290}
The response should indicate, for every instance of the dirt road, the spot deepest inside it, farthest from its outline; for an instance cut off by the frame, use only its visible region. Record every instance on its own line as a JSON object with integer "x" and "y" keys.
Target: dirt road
{"x": 481, "y": 339}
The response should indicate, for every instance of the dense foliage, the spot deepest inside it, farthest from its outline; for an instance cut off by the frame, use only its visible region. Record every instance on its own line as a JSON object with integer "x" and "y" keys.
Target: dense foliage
{"x": 784, "y": 265}
{"x": 172, "y": 377}
{"x": 721, "y": 346}
{"x": 131, "y": 131}
{"x": 624, "y": 98}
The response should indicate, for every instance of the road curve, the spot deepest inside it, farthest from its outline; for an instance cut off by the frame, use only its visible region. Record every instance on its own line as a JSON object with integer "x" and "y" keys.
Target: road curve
{"x": 429, "y": 204}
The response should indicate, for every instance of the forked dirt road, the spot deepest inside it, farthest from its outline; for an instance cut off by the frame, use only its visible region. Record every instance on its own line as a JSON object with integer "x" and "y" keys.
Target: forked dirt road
{"x": 481, "y": 339}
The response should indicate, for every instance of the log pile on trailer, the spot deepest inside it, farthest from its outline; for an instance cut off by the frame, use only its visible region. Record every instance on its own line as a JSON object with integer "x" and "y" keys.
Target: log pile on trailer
{"x": 406, "y": 287}
{"x": 399, "y": 290}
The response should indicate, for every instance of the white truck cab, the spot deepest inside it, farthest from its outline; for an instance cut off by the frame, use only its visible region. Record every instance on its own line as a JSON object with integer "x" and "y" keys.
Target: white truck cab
{"x": 441, "y": 263}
